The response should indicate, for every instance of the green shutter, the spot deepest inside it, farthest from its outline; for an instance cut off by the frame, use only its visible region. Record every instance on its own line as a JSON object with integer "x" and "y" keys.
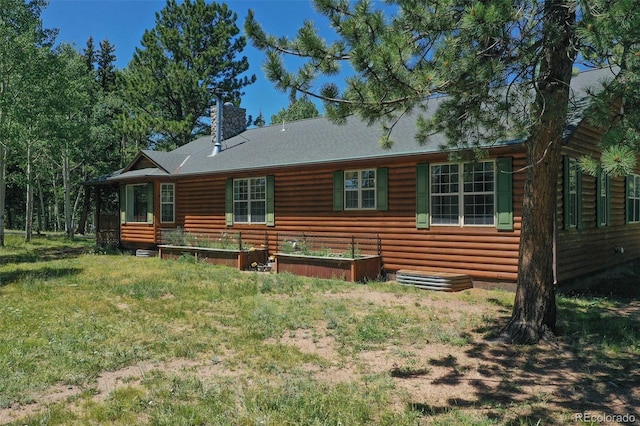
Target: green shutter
{"x": 150, "y": 203}
{"x": 382, "y": 189}
{"x": 565, "y": 193}
{"x": 504, "y": 194}
{"x": 422, "y": 196}
{"x": 123, "y": 204}
{"x": 598, "y": 198}
{"x": 271, "y": 219}
{"x": 608, "y": 183}
{"x": 338, "y": 191}
{"x": 228, "y": 202}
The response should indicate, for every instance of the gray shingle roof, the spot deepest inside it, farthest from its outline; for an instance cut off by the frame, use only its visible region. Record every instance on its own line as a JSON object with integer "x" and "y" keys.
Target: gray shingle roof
{"x": 318, "y": 141}
{"x": 168, "y": 161}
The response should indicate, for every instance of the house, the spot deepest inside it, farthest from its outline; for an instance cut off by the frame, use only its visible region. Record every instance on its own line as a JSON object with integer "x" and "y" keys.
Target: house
{"x": 314, "y": 178}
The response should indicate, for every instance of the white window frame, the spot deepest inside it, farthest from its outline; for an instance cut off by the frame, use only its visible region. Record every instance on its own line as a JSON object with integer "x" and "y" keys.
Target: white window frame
{"x": 633, "y": 201}
{"x": 444, "y": 191}
{"x": 131, "y": 202}
{"x": 251, "y": 183}
{"x": 164, "y": 202}
{"x": 460, "y": 194}
{"x": 359, "y": 190}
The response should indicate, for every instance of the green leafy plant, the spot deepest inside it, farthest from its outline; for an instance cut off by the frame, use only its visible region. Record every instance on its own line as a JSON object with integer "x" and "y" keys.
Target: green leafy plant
{"x": 175, "y": 237}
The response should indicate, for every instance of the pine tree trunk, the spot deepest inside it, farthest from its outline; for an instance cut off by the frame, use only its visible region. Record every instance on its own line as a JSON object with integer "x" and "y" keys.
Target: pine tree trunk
{"x": 534, "y": 312}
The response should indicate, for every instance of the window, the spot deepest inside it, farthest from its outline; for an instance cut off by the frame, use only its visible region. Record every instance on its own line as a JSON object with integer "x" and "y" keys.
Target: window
{"x": 478, "y": 188}
{"x": 366, "y": 189}
{"x": 445, "y": 194}
{"x": 602, "y": 199}
{"x": 360, "y": 189}
{"x": 167, "y": 202}
{"x": 572, "y": 194}
{"x": 139, "y": 203}
{"x": 250, "y": 200}
{"x": 467, "y": 197}
{"x": 633, "y": 198}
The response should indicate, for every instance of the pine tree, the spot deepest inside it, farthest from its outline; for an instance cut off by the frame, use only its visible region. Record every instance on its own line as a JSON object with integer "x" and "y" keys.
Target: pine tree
{"x": 506, "y": 68}
{"x": 89, "y": 54}
{"x": 106, "y": 59}
{"x": 193, "y": 49}
{"x": 259, "y": 121}
{"x": 298, "y": 110}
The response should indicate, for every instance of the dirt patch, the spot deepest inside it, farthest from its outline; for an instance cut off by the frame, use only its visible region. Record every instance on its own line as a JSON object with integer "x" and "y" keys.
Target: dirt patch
{"x": 109, "y": 381}
{"x": 545, "y": 381}
{"x": 484, "y": 375}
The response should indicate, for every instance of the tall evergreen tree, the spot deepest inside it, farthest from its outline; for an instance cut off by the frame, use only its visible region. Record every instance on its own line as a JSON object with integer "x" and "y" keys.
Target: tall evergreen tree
{"x": 259, "y": 121}
{"x": 89, "y": 54}
{"x": 409, "y": 51}
{"x": 106, "y": 59}
{"x": 193, "y": 49}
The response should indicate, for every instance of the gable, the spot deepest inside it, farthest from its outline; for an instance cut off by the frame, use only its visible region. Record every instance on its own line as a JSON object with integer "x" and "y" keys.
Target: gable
{"x": 141, "y": 163}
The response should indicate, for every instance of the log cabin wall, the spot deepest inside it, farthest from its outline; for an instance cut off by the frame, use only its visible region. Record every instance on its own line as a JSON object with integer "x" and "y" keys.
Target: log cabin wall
{"x": 590, "y": 248}
{"x": 304, "y": 204}
{"x": 137, "y": 235}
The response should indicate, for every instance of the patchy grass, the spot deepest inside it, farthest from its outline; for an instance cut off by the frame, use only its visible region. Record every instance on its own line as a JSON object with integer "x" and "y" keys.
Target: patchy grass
{"x": 114, "y": 339}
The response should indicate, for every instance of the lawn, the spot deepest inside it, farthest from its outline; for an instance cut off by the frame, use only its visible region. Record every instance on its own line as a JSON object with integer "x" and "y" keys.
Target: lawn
{"x": 92, "y": 338}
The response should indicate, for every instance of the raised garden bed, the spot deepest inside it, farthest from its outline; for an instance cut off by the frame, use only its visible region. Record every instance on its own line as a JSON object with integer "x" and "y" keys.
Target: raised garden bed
{"x": 363, "y": 268}
{"x": 235, "y": 258}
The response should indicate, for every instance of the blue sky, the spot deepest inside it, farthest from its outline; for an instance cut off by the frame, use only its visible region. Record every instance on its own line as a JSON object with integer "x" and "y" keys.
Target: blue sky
{"x": 124, "y": 21}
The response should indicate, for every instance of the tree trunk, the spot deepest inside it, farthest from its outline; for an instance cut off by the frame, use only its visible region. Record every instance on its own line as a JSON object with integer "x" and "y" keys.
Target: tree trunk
{"x": 82, "y": 223}
{"x": 66, "y": 183}
{"x": 42, "y": 216}
{"x": 3, "y": 188}
{"x": 28, "y": 216}
{"x": 534, "y": 311}
{"x": 74, "y": 209}
{"x": 56, "y": 206}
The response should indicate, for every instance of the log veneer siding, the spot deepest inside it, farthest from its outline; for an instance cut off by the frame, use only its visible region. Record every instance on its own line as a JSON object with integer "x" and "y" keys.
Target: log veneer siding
{"x": 304, "y": 203}
{"x": 591, "y": 248}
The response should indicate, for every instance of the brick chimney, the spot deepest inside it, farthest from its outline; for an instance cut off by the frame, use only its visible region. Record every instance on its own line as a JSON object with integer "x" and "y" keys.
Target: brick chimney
{"x": 234, "y": 121}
